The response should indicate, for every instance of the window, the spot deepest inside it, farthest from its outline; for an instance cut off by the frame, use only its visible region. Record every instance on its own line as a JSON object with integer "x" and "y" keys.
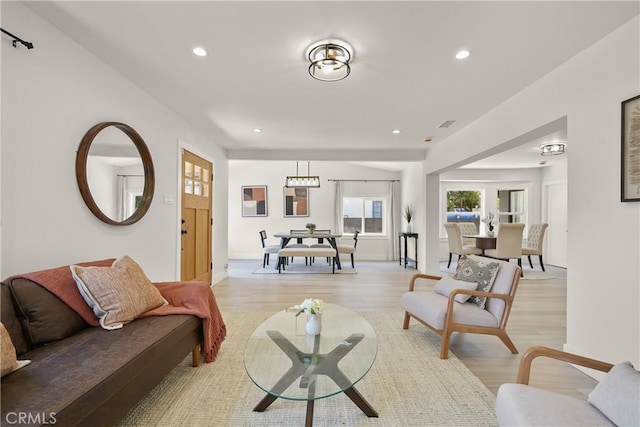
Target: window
{"x": 512, "y": 206}
{"x": 365, "y": 215}
{"x": 464, "y": 206}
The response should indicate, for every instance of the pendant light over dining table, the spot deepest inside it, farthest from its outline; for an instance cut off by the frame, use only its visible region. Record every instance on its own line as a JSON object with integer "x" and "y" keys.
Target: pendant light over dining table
{"x": 307, "y": 181}
{"x": 330, "y": 60}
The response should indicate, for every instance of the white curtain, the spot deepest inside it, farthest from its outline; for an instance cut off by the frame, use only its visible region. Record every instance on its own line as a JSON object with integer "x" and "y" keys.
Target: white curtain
{"x": 392, "y": 222}
{"x": 337, "y": 207}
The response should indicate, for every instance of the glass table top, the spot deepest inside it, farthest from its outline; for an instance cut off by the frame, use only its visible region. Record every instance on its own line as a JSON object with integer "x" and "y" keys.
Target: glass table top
{"x": 281, "y": 359}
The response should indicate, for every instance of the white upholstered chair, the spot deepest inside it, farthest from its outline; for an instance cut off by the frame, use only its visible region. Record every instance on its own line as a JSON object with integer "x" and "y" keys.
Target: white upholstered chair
{"x": 321, "y": 241}
{"x": 267, "y": 250}
{"x": 299, "y": 241}
{"x": 535, "y": 240}
{"x": 508, "y": 243}
{"x": 443, "y": 315}
{"x": 455, "y": 242}
{"x": 468, "y": 228}
{"x": 348, "y": 249}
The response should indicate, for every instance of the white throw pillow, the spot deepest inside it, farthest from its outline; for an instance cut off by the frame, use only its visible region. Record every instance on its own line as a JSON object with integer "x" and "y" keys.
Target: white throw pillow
{"x": 617, "y": 396}
{"x": 448, "y": 284}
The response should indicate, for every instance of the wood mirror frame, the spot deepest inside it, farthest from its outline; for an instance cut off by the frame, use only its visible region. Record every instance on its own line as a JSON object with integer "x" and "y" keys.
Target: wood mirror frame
{"x": 147, "y": 163}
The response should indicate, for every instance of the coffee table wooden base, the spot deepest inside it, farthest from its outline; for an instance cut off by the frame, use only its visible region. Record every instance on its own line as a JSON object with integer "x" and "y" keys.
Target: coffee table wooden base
{"x": 306, "y": 365}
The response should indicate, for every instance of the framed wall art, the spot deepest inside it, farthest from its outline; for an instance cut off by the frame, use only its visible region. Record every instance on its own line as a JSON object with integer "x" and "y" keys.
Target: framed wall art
{"x": 630, "y": 171}
{"x": 296, "y": 202}
{"x": 254, "y": 200}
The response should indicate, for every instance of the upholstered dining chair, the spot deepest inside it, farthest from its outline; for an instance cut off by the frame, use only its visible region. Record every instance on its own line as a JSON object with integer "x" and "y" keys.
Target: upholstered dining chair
{"x": 267, "y": 250}
{"x": 348, "y": 249}
{"x": 455, "y": 242}
{"x": 299, "y": 241}
{"x": 318, "y": 233}
{"x": 444, "y": 309}
{"x": 535, "y": 240}
{"x": 468, "y": 228}
{"x": 508, "y": 243}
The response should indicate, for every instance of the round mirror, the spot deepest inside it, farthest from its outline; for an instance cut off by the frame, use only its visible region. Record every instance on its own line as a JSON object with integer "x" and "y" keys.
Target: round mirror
{"x": 115, "y": 173}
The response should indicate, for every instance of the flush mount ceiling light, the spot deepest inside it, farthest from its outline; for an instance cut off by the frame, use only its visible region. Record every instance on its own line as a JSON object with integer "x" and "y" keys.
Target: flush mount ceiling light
{"x": 552, "y": 149}
{"x": 302, "y": 180}
{"x": 329, "y": 60}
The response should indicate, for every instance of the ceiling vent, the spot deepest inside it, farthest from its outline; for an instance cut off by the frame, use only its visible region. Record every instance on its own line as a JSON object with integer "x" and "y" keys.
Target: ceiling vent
{"x": 446, "y": 124}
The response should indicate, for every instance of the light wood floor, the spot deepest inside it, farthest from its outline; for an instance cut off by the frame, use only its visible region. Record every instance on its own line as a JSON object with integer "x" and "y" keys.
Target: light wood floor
{"x": 538, "y": 316}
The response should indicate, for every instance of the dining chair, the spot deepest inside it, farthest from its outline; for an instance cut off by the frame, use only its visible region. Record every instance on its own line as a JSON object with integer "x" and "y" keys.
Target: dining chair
{"x": 348, "y": 249}
{"x": 321, "y": 243}
{"x": 535, "y": 240}
{"x": 456, "y": 246}
{"x": 508, "y": 243}
{"x": 468, "y": 228}
{"x": 299, "y": 244}
{"x": 267, "y": 250}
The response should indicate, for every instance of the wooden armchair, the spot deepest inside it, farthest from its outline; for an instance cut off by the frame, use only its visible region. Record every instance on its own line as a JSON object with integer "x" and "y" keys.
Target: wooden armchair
{"x": 444, "y": 315}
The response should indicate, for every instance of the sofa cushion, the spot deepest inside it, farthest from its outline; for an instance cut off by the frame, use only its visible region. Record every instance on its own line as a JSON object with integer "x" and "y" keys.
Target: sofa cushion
{"x": 524, "y": 405}
{"x": 117, "y": 294}
{"x": 10, "y": 320}
{"x": 618, "y": 395}
{"x": 477, "y": 270}
{"x": 44, "y": 317}
{"x": 448, "y": 284}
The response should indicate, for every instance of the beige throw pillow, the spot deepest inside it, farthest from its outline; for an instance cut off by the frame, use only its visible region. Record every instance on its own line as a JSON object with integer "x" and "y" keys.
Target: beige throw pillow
{"x": 117, "y": 294}
{"x": 8, "y": 360}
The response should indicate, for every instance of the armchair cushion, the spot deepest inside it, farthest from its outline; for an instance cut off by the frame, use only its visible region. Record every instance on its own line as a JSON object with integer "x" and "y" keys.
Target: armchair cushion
{"x": 448, "y": 284}
{"x": 618, "y": 395}
{"x": 479, "y": 271}
{"x": 431, "y": 308}
{"x": 523, "y": 405}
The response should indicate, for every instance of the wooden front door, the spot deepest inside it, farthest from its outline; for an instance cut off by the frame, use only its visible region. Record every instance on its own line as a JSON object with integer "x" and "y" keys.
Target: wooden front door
{"x": 196, "y": 220}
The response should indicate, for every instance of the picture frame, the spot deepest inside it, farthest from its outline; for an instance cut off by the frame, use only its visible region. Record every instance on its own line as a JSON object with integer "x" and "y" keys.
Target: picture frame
{"x": 296, "y": 202}
{"x": 630, "y": 165}
{"x": 254, "y": 200}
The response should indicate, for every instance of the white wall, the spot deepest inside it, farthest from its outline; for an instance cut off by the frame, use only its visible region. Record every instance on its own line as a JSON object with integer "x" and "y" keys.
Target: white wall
{"x": 603, "y": 286}
{"x": 51, "y": 95}
{"x": 244, "y": 241}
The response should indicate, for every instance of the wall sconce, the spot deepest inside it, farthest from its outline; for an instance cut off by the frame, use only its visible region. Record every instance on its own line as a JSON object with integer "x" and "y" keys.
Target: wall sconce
{"x": 552, "y": 149}
{"x": 308, "y": 181}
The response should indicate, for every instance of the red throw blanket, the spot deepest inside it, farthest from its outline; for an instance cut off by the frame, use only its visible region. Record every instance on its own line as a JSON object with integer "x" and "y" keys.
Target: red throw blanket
{"x": 60, "y": 282}
{"x": 194, "y": 298}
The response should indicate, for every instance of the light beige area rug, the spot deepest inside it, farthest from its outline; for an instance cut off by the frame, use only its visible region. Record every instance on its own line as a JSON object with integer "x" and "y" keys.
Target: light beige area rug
{"x": 299, "y": 268}
{"x": 408, "y": 385}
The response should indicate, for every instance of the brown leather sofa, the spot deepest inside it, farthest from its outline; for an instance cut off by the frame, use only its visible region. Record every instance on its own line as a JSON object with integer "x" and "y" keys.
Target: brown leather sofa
{"x": 81, "y": 375}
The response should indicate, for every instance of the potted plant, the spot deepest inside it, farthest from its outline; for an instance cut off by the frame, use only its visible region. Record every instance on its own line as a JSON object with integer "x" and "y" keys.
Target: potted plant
{"x": 488, "y": 220}
{"x": 408, "y": 216}
{"x": 311, "y": 227}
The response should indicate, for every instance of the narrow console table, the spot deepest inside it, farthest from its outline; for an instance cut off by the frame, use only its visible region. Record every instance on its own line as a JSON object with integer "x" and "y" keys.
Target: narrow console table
{"x": 407, "y": 260}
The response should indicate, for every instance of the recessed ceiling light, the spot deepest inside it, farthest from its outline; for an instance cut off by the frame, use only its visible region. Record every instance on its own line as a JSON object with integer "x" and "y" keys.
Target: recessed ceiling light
{"x": 395, "y": 131}
{"x": 257, "y": 130}
{"x": 198, "y": 51}
{"x": 463, "y": 54}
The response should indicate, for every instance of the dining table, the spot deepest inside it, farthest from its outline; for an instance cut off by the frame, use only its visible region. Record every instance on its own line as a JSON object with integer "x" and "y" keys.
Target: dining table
{"x": 483, "y": 241}
{"x": 285, "y": 237}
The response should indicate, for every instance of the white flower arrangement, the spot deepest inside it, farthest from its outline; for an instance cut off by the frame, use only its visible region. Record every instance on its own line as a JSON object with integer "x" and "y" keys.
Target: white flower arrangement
{"x": 489, "y": 220}
{"x": 311, "y": 306}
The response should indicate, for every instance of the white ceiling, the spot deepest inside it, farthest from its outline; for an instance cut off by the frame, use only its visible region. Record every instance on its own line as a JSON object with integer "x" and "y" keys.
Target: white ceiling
{"x": 404, "y": 75}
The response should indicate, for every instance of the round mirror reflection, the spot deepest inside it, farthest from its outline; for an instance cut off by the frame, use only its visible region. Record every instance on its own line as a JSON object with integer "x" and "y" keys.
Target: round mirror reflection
{"x": 115, "y": 173}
